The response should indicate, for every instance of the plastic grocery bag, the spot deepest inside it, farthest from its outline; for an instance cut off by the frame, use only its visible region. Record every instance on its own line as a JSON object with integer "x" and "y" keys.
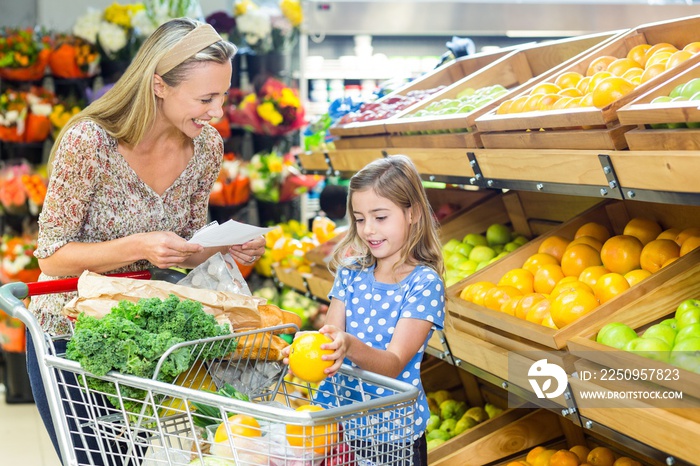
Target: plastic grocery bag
{"x": 220, "y": 273}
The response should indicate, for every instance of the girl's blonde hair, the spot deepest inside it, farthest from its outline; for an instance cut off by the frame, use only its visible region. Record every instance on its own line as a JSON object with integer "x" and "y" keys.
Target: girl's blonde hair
{"x": 394, "y": 178}
{"x": 128, "y": 110}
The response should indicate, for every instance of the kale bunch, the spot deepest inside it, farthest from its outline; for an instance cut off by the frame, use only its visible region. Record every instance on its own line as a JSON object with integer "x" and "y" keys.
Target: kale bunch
{"x": 133, "y": 336}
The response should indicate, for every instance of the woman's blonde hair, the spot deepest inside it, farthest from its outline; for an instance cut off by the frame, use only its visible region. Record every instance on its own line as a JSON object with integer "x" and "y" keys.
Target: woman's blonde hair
{"x": 127, "y": 111}
{"x": 394, "y": 178}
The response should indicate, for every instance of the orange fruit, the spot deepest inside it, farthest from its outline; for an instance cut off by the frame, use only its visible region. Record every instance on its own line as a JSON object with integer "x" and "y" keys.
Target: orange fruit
{"x": 527, "y": 302}
{"x": 554, "y": 245}
{"x": 305, "y": 356}
{"x": 581, "y": 451}
{"x": 687, "y": 233}
{"x": 656, "y": 252}
{"x": 622, "y": 65}
{"x": 601, "y": 456}
{"x": 659, "y": 58}
{"x": 590, "y": 275}
{"x": 565, "y": 285}
{"x": 517, "y": 105}
{"x": 671, "y": 233}
{"x": 635, "y": 276}
{"x": 659, "y": 47}
{"x": 645, "y": 229}
{"x": 510, "y": 307}
{"x": 534, "y": 453}
{"x": 570, "y": 92}
{"x": 564, "y": 458}
{"x": 625, "y": 461}
{"x": 587, "y": 100}
{"x": 532, "y": 103}
{"x": 677, "y": 58}
{"x": 319, "y": 438}
{"x": 610, "y": 285}
{"x": 583, "y": 84}
{"x": 480, "y": 294}
{"x": 538, "y": 259}
{"x": 633, "y": 74}
{"x": 504, "y": 107}
{"x": 621, "y": 253}
{"x": 594, "y": 229}
{"x": 670, "y": 261}
{"x": 548, "y": 322}
{"x": 611, "y": 89}
{"x": 241, "y": 425}
{"x": 545, "y": 88}
{"x": 547, "y": 277}
{"x": 543, "y": 458}
{"x": 653, "y": 71}
{"x": 599, "y": 64}
{"x": 688, "y": 245}
{"x": 575, "y": 102}
{"x": 587, "y": 240}
{"x": 563, "y": 102}
{"x": 577, "y": 257}
{"x": 519, "y": 278}
{"x": 469, "y": 291}
{"x": 693, "y": 47}
{"x": 570, "y": 305}
{"x": 547, "y": 101}
{"x": 638, "y": 54}
{"x": 568, "y": 79}
{"x": 539, "y": 311}
{"x": 323, "y": 229}
{"x": 498, "y": 295}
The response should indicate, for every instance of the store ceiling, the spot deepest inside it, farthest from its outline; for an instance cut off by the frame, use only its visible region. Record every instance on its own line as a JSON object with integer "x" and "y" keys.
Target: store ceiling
{"x": 486, "y": 18}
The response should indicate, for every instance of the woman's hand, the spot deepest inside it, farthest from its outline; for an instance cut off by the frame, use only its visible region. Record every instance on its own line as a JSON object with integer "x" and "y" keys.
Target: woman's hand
{"x": 165, "y": 249}
{"x": 249, "y": 252}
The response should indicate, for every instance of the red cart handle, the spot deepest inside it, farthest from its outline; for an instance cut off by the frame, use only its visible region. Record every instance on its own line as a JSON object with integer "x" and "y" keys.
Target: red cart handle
{"x": 71, "y": 284}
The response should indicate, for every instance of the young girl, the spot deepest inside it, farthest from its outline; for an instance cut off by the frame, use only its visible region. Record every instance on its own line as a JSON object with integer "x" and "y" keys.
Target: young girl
{"x": 388, "y": 294}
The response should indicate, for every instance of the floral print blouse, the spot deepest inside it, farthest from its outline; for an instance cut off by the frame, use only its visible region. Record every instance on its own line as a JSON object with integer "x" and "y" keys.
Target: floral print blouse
{"x": 94, "y": 196}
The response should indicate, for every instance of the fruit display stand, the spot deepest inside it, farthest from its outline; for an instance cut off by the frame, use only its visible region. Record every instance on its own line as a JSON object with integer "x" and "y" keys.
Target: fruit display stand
{"x": 517, "y": 72}
{"x": 642, "y": 113}
{"x": 662, "y": 418}
{"x": 588, "y": 127}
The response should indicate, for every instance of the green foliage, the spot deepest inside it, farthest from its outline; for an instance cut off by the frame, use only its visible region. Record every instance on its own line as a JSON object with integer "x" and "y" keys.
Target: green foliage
{"x": 207, "y": 415}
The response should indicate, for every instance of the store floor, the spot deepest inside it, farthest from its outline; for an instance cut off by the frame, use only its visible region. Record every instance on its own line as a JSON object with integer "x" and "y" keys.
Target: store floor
{"x": 23, "y": 439}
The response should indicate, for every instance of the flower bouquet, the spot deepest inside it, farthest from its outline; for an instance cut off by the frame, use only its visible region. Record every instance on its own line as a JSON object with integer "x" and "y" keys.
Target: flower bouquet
{"x": 232, "y": 188}
{"x": 276, "y": 178}
{"x": 63, "y": 111}
{"x": 74, "y": 57}
{"x": 22, "y": 190}
{"x": 265, "y": 27}
{"x": 18, "y": 261}
{"x": 24, "y": 54}
{"x": 274, "y": 110}
{"x": 24, "y": 116}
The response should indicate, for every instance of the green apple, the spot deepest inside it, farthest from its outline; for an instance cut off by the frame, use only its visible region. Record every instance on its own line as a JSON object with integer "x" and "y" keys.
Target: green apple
{"x": 686, "y": 354}
{"x": 689, "y": 331}
{"x": 676, "y": 91}
{"x": 689, "y": 317}
{"x": 661, "y": 99}
{"x": 468, "y": 92}
{"x": 464, "y": 248}
{"x": 475, "y": 239}
{"x": 451, "y": 245}
{"x": 455, "y": 259}
{"x": 662, "y": 332}
{"x": 652, "y": 348}
{"x": 690, "y": 88}
{"x": 510, "y": 247}
{"x": 482, "y": 264}
{"x": 482, "y": 253}
{"x": 498, "y": 234}
{"x": 497, "y": 247}
{"x": 686, "y": 305}
{"x": 616, "y": 334}
{"x": 520, "y": 239}
{"x": 467, "y": 266}
{"x": 672, "y": 322}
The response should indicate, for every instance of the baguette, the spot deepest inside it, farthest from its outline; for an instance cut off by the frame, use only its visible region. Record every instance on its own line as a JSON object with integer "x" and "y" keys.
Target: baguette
{"x": 260, "y": 346}
{"x": 271, "y": 316}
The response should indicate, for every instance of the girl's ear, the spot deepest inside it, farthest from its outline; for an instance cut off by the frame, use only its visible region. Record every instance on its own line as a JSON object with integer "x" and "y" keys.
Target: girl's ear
{"x": 158, "y": 86}
{"x": 413, "y": 215}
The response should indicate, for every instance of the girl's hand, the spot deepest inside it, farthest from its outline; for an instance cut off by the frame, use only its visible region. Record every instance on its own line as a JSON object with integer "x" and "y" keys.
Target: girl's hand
{"x": 340, "y": 346}
{"x": 165, "y": 249}
{"x": 249, "y": 252}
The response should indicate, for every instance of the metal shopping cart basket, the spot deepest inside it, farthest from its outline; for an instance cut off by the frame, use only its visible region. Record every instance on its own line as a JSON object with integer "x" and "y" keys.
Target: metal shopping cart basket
{"x": 358, "y": 418}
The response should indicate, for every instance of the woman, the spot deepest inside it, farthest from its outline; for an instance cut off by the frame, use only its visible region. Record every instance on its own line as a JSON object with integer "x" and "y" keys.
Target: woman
{"x": 132, "y": 173}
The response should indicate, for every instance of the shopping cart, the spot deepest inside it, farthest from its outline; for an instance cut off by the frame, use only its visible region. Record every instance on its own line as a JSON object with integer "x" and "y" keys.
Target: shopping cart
{"x": 365, "y": 419}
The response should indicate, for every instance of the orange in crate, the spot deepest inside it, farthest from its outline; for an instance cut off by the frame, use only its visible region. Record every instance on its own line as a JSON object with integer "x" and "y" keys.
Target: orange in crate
{"x": 323, "y": 229}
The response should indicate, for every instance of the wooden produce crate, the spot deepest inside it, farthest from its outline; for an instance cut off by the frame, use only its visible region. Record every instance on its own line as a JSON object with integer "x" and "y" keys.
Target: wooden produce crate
{"x": 444, "y": 75}
{"x": 589, "y": 127}
{"x": 517, "y": 71}
{"x": 657, "y": 304}
{"x": 497, "y": 327}
{"x": 642, "y": 113}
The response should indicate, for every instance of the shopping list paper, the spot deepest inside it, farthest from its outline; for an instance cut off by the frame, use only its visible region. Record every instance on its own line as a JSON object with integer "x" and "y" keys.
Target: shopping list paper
{"x": 226, "y": 234}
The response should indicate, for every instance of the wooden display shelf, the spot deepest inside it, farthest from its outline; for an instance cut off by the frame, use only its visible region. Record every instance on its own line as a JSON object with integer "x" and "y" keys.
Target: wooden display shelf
{"x": 612, "y": 214}
{"x": 658, "y": 303}
{"x": 643, "y": 113}
{"x": 290, "y": 277}
{"x": 445, "y": 75}
{"x": 314, "y": 162}
{"x": 517, "y": 71}
{"x": 666, "y": 430}
{"x": 595, "y": 128}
